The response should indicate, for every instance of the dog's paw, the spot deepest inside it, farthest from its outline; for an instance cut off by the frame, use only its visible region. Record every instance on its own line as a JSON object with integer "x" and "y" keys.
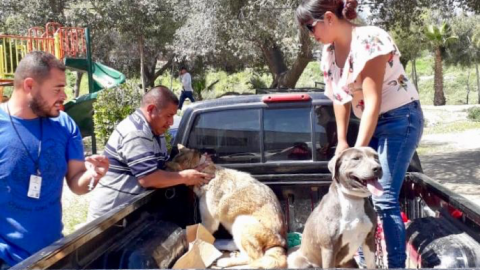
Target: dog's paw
{"x": 234, "y": 261}
{"x": 296, "y": 260}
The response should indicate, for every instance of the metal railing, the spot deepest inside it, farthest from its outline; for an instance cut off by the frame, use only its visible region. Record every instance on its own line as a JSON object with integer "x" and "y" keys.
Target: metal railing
{"x": 57, "y": 40}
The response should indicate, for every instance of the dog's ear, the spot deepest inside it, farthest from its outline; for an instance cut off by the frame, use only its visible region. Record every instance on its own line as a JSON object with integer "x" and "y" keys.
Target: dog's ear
{"x": 181, "y": 148}
{"x": 334, "y": 164}
{"x": 173, "y": 166}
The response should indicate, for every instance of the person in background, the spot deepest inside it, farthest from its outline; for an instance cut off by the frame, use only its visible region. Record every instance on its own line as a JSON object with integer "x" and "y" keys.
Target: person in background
{"x": 187, "y": 91}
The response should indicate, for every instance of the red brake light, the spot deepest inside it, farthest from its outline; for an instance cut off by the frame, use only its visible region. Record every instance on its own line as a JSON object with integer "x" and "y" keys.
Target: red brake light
{"x": 285, "y": 98}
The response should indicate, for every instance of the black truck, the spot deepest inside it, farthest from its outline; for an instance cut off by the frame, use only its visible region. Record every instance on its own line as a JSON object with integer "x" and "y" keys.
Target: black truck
{"x": 284, "y": 140}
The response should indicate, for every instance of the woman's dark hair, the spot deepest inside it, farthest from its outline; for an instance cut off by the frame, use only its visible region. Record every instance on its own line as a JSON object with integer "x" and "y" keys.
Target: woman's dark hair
{"x": 315, "y": 10}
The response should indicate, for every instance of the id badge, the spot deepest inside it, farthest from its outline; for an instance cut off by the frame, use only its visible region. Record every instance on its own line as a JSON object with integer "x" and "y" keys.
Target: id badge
{"x": 35, "y": 186}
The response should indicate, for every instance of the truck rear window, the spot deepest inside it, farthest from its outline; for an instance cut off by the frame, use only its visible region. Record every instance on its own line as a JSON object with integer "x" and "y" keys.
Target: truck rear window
{"x": 288, "y": 134}
{"x": 234, "y": 136}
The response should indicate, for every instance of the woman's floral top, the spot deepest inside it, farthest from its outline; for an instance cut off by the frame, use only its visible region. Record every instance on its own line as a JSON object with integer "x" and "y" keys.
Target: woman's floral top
{"x": 343, "y": 85}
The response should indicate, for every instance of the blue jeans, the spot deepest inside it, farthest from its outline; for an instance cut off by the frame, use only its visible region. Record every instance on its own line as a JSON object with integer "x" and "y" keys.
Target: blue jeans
{"x": 183, "y": 96}
{"x": 396, "y": 137}
{"x": 3, "y": 265}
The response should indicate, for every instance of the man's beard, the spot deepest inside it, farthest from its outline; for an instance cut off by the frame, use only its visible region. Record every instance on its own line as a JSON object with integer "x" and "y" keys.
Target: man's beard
{"x": 40, "y": 107}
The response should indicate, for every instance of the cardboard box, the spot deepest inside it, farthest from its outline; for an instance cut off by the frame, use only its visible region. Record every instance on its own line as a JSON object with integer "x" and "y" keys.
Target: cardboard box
{"x": 201, "y": 252}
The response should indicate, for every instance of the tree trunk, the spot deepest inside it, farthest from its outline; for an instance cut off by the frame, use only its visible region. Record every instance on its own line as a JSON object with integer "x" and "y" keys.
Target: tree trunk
{"x": 275, "y": 62}
{"x": 142, "y": 64}
{"x": 78, "y": 82}
{"x": 282, "y": 76}
{"x": 478, "y": 83}
{"x": 152, "y": 74}
{"x": 468, "y": 85}
{"x": 439, "y": 97}
{"x": 414, "y": 73}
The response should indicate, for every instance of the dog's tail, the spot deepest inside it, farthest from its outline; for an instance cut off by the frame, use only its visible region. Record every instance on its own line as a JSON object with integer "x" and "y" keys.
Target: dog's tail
{"x": 274, "y": 258}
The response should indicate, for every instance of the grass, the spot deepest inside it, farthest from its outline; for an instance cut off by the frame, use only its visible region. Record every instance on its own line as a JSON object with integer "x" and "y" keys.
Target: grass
{"x": 452, "y": 127}
{"x": 425, "y": 150}
{"x": 75, "y": 210}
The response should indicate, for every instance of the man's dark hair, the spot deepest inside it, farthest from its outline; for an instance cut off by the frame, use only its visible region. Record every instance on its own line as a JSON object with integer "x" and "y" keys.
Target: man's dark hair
{"x": 36, "y": 65}
{"x": 160, "y": 96}
{"x": 183, "y": 68}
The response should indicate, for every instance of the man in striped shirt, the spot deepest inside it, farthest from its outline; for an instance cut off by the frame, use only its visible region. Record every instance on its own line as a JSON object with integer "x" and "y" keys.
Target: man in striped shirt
{"x": 137, "y": 152}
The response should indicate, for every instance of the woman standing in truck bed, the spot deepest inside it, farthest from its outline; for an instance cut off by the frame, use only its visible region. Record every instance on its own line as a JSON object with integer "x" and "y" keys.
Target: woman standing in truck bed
{"x": 362, "y": 71}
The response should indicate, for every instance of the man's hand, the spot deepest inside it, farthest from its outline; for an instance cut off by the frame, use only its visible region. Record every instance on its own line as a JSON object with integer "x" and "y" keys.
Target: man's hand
{"x": 195, "y": 178}
{"x": 97, "y": 165}
{"x": 80, "y": 173}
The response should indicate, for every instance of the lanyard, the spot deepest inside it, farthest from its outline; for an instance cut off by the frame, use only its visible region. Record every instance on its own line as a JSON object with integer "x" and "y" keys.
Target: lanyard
{"x": 37, "y": 167}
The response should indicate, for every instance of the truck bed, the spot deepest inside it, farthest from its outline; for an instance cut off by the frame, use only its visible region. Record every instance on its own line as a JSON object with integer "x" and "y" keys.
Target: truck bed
{"x": 139, "y": 235}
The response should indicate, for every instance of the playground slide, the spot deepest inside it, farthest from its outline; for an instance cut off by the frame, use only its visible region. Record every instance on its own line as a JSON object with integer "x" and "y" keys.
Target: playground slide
{"x": 81, "y": 108}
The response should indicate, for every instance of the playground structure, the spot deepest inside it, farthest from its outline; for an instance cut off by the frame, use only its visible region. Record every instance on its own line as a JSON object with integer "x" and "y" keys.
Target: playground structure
{"x": 72, "y": 45}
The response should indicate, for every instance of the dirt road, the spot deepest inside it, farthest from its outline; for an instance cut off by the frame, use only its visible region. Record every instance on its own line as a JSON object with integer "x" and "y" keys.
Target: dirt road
{"x": 456, "y": 157}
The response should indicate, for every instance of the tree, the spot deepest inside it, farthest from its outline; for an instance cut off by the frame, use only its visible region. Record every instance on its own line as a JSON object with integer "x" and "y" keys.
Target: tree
{"x": 410, "y": 45}
{"x": 142, "y": 30}
{"x": 439, "y": 38}
{"x": 393, "y": 13}
{"x": 262, "y": 31}
{"x": 466, "y": 52}
{"x": 18, "y": 16}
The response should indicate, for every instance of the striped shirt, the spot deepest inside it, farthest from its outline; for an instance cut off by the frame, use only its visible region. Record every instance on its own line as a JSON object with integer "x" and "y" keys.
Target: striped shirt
{"x": 134, "y": 152}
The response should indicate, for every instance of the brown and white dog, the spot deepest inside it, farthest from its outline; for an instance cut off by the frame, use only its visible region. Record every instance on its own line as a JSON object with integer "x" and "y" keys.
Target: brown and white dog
{"x": 247, "y": 208}
{"x": 344, "y": 220}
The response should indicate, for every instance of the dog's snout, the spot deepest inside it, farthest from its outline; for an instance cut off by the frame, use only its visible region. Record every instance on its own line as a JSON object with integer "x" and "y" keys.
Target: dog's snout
{"x": 377, "y": 170}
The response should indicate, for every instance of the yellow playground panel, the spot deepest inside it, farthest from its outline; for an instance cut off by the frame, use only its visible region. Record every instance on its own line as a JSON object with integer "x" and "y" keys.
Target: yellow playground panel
{"x": 54, "y": 38}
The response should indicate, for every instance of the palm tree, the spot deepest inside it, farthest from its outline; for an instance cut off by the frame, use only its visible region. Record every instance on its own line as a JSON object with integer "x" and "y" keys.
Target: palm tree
{"x": 439, "y": 38}
{"x": 475, "y": 43}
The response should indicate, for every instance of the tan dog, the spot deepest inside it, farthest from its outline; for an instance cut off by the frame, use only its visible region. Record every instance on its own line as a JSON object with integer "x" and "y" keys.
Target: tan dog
{"x": 344, "y": 220}
{"x": 248, "y": 209}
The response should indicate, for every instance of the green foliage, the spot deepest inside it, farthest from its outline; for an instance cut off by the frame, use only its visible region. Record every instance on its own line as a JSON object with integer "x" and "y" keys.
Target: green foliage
{"x": 112, "y": 106}
{"x": 199, "y": 84}
{"x": 310, "y": 75}
{"x": 474, "y": 114}
{"x": 69, "y": 88}
{"x": 440, "y": 35}
{"x": 256, "y": 82}
{"x": 465, "y": 52}
{"x": 455, "y": 84}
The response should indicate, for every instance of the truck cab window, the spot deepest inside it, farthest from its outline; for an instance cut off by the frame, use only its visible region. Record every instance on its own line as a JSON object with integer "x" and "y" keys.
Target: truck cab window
{"x": 325, "y": 133}
{"x": 287, "y": 134}
{"x": 231, "y": 136}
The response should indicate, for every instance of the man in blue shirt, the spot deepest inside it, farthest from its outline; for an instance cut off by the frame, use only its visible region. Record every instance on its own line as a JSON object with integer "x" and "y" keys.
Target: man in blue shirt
{"x": 40, "y": 147}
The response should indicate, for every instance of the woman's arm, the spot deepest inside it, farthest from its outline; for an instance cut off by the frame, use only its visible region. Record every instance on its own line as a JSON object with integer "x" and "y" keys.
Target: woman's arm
{"x": 342, "y": 117}
{"x": 373, "y": 76}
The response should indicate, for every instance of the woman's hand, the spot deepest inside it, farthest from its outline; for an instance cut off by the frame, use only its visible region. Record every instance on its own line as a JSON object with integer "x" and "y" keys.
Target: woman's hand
{"x": 342, "y": 145}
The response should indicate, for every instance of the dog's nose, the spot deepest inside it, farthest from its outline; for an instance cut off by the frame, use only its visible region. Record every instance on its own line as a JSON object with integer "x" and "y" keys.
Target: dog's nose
{"x": 377, "y": 170}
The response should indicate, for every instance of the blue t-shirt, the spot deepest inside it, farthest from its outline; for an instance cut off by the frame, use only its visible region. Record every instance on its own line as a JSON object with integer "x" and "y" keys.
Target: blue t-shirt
{"x": 28, "y": 224}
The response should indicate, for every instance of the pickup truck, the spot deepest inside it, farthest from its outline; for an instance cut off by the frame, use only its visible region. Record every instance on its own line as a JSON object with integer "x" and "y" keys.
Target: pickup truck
{"x": 284, "y": 140}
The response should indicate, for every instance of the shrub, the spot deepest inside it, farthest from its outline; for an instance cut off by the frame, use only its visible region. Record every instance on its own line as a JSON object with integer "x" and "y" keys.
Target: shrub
{"x": 474, "y": 114}
{"x": 115, "y": 104}
{"x": 112, "y": 106}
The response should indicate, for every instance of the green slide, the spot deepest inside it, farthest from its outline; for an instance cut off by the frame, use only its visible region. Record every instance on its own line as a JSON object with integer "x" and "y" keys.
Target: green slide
{"x": 81, "y": 108}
